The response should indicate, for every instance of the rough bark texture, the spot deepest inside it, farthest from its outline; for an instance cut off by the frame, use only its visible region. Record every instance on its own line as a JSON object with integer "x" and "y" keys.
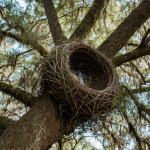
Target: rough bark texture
{"x": 53, "y": 22}
{"x": 138, "y": 52}
{"x": 126, "y": 29}
{"x": 36, "y": 130}
{"x": 4, "y": 124}
{"x": 89, "y": 19}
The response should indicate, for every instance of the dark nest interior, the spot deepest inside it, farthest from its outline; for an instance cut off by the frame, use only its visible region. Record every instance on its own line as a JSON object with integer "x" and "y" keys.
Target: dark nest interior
{"x": 88, "y": 69}
{"x": 82, "y": 80}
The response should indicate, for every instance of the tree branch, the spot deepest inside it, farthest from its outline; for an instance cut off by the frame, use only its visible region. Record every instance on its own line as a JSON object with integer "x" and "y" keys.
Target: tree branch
{"x": 147, "y": 40}
{"x": 37, "y": 23}
{"x": 132, "y": 44}
{"x": 125, "y": 30}
{"x": 89, "y": 19}
{"x": 138, "y": 52}
{"x": 23, "y": 96}
{"x": 139, "y": 104}
{"x": 140, "y": 90}
{"x": 30, "y": 42}
{"x": 144, "y": 39}
{"x": 132, "y": 129}
{"x": 53, "y": 21}
{"x": 5, "y": 123}
{"x": 15, "y": 62}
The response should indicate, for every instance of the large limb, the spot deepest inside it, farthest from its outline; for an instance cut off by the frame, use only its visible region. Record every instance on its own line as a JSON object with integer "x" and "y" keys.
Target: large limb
{"x": 125, "y": 30}
{"x": 23, "y": 96}
{"x": 89, "y": 19}
{"x": 38, "y": 129}
{"x": 138, "y": 52}
{"x": 43, "y": 52}
{"x": 53, "y": 22}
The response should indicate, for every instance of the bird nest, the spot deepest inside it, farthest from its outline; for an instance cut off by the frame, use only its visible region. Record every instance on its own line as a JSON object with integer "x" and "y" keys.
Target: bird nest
{"x": 82, "y": 79}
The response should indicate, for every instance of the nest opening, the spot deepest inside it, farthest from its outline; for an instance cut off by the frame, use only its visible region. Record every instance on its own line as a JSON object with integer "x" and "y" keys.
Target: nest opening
{"x": 89, "y": 69}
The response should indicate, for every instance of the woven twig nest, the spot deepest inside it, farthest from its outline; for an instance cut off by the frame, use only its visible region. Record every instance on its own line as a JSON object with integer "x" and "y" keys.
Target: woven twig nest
{"x": 81, "y": 79}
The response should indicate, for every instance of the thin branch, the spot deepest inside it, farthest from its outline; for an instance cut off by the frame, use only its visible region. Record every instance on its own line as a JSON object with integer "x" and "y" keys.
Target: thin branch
{"x": 140, "y": 90}
{"x": 43, "y": 52}
{"x": 5, "y": 123}
{"x": 17, "y": 27}
{"x": 113, "y": 44}
{"x": 57, "y": 33}
{"x": 120, "y": 9}
{"x": 37, "y": 23}
{"x": 145, "y": 118}
{"x": 2, "y": 16}
{"x": 147, "y": 40}
{"x": 20, "y": 55}
{"x": 89, "y": 19}
{"x": 115, "y": 139}
{"x": 131, "y": 64}
{"x": 139, "y": 104}
{"x": 132, "y": 129}
{"x": 23, "y": 96}
{"x": 132, "y": 44}
{"x": 5, "y": 66}
{"x": 138, "y": 52}
{"x": 143, "y": 42}
{"x": 139, "y": 72}
{"x": 75, "y": 10}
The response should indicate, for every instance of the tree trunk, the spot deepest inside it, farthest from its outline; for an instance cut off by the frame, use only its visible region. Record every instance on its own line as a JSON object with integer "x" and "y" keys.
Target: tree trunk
{"x": 38, "y": 129}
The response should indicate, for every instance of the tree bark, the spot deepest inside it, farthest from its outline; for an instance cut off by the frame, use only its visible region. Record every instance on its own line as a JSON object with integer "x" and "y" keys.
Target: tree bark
{"x": 5, "y": 123}
{"x": 125, "y": 30}
{"x": 38, "y": 129}
{"x": 138, "y": 52}
{"x": 53, "y": 22}
{"x": 89, "y": 19}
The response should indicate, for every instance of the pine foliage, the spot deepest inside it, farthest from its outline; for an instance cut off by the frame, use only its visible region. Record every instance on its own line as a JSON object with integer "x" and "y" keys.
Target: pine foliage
{"x": 24, "y": 33}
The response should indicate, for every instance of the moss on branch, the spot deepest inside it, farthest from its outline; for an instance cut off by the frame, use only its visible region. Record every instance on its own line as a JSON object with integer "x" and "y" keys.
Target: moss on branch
{"x": 89, "y": 19}
{"x": 43, "y": 52}
{"x": 23, "y": 96}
